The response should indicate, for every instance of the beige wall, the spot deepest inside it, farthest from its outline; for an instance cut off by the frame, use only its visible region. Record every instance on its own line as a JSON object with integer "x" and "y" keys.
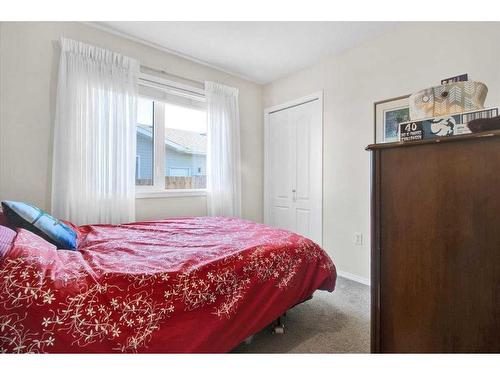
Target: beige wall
{"x": 395, "y": 64}
{"x": 28, "y": 72}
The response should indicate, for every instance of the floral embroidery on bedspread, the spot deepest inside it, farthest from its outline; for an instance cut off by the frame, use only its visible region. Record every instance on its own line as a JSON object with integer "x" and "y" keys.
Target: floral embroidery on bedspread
{"x": 125, "y": 310}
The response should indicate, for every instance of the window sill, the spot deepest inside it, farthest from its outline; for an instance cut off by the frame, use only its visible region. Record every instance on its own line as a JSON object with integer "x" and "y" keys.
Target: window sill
{"x": 144, "y": 194}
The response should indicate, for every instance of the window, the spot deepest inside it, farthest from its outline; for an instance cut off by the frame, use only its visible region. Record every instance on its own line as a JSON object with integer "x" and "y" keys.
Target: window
{"x": 171, "y": 142}
{"x": 185, "y": 147}
{"x": 145, "y": 146}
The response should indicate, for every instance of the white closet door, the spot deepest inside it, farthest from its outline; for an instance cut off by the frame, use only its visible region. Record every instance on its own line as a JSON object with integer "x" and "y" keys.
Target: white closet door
{"x": 294, "y": 169}
{"x": 281, "y": 170}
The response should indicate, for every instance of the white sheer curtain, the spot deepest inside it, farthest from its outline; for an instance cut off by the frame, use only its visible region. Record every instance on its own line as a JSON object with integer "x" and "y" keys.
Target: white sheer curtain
{"x": 93, "y": 174}
{"x": 223, "y": 151}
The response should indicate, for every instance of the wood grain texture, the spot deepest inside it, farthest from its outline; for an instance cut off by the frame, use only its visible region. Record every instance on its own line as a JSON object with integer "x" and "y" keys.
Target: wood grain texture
{"x": 436, "y": 247}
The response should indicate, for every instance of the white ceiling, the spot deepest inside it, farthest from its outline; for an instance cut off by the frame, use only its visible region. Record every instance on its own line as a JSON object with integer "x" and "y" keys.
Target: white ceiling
{"x": 259, "y": 51}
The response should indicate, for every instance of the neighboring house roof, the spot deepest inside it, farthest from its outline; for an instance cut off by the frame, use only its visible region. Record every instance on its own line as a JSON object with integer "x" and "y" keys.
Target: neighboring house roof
{"x": 181, "y": 140}
{"x": 193, "y": 143}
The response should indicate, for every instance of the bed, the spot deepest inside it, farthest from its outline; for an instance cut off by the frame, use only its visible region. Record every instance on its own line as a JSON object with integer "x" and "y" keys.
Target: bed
{"x": 186, "y": 285}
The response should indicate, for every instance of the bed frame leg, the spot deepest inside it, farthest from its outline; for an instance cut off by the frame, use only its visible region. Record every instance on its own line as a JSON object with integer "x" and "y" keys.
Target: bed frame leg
{"x": 279, "y": 326}
{"x": 248, "y": 340}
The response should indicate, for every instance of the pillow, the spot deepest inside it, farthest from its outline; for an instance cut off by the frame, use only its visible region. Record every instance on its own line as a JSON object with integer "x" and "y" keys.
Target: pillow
{"x": 3, "y": 219}
{"x": 7, "y": 236}
{"x": 35, "y": 220}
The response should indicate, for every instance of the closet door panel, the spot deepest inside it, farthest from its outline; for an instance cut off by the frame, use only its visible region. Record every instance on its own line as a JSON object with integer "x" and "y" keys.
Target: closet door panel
{"x": 302, "y": 125}
{"x": 303, "y": 221}
{"x": 308, "y": 169}
{"x": 281, "y": 171}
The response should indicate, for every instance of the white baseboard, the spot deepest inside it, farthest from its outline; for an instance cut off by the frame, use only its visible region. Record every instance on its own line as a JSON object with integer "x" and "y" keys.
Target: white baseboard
{"x": 353, "y": 277}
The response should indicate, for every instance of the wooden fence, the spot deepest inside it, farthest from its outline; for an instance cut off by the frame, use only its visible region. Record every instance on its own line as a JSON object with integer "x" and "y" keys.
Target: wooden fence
{"x": 179, "y": 182}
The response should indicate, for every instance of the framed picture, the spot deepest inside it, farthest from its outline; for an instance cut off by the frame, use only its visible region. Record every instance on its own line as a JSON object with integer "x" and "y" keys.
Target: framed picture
{"x": 388, "y": 114}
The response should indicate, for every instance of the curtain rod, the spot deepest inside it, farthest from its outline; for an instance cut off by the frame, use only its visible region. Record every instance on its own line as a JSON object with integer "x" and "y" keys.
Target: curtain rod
{"x": 161, "y": 71}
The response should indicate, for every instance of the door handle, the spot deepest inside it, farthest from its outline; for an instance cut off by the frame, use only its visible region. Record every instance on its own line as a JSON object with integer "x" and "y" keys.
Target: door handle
{"x": 294, "y": 195}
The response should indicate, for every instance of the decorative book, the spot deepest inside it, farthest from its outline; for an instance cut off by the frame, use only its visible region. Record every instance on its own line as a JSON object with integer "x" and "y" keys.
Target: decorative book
{"x": 442, "y": 126}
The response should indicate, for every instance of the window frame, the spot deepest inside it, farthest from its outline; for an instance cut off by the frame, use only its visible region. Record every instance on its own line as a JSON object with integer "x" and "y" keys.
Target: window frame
{"x": 157, "y": 189}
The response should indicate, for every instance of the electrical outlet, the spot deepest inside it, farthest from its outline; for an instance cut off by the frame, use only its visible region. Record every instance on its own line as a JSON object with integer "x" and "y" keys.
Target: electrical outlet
{"x": 358, "y": 239}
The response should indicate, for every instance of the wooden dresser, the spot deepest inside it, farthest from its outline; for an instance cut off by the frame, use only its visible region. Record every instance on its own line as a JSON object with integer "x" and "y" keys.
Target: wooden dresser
{"x": 436, "y": 245}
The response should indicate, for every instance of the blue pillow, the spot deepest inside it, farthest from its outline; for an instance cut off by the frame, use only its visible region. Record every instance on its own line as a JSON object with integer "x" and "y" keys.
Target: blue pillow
{"x": 23, "y": 215}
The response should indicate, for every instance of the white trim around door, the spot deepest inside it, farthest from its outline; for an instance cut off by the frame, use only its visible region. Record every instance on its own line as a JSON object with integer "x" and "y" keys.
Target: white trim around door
{"x": 267, "y": 112}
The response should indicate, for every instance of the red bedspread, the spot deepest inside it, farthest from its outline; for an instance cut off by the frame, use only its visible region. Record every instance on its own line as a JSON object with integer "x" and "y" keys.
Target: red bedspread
{"x": 181, "y": 285}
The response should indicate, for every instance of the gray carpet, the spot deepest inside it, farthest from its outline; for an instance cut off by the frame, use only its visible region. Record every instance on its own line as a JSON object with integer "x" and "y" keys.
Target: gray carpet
{"x": 337, "y": 322}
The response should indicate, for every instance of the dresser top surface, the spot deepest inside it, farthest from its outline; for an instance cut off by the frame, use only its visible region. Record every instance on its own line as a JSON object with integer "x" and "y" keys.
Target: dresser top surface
{"x": 456, "y": 138}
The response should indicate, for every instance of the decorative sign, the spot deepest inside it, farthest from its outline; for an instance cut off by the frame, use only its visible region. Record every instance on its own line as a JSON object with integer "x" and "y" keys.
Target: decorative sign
{"x": 428, "y": 128}
{"x": 460, "y": 78}
{"x": 411, "y": 131}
